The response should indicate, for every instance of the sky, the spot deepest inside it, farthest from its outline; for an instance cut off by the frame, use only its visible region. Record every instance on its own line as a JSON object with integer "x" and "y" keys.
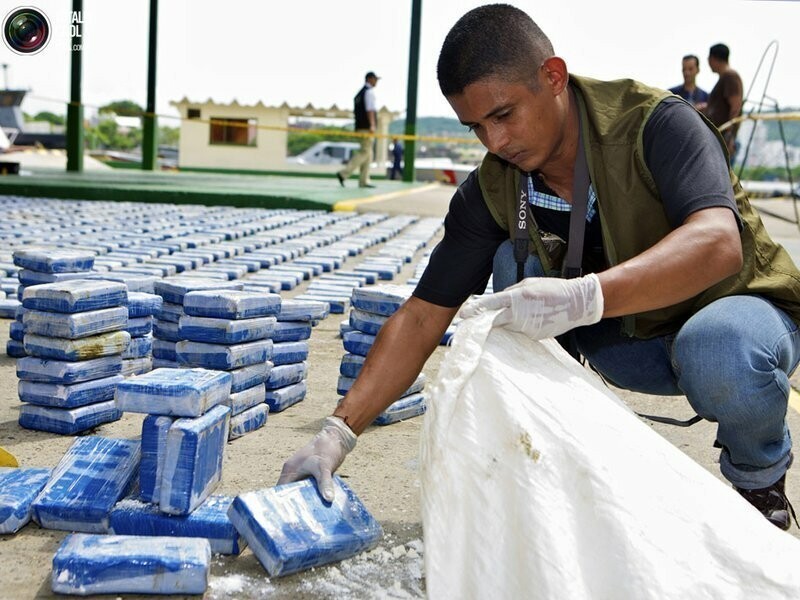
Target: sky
{"x": 317, "y": 51}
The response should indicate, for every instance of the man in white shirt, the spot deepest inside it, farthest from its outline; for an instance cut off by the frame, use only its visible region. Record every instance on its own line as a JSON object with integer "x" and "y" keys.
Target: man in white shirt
{"x": 366, "y": 110}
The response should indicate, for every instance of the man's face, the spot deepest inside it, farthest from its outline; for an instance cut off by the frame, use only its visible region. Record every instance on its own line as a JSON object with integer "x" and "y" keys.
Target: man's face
{"x": 520, "y": 125}
{"x": 713, "y": 63}
{"x": 373, "y": 81}
{"x": 690, "y": 70}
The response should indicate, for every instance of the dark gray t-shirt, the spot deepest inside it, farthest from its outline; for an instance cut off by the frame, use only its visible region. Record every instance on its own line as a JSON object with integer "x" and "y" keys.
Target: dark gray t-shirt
{"x": 682, "y": 153}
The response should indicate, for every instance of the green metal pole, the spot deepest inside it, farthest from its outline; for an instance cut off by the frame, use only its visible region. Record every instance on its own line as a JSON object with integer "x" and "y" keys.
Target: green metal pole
{"x": 75, "y": 107}
{"x": 150, "y": 123}
{"x": 411, "y": 98}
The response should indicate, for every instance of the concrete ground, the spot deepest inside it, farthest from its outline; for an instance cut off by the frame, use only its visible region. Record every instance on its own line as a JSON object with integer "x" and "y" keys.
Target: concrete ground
{"x": 383, "y": 470}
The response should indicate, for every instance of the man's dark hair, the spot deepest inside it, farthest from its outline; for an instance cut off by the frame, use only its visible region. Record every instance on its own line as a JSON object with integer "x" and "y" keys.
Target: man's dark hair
{"x": 694, "y": 58}
{"x": 498, "y": 40}
{"x": 720, "y": 52}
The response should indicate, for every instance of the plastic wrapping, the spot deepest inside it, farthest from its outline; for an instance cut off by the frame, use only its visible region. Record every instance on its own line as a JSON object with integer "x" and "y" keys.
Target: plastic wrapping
{"x": 351, "y": 364}
{"x": 140, "y": 326}
{"x": 166, "y": 330}
{"x": 134, "y": 282}
{"x": 585, "y": 500}
{"x": 154, "y": 439}
{"x": 247, "y": 398}
{"x": 291, "y": 331}
{"x": 68, "y": 421}
{"x": 382, "y": 299}
{"x": 75, "y": 325}
{"x": 284, "y": 353}
{"x": 283, "y": 375}
{"x": 282, "y": 398}
{"x": 249, "y": 420}
{"x": 356, "y": 342}
{"x": 164, "y": 349}
{"x": 302, "y": 310}
{"x": 174, "y": 392}
{"x": 193, "y": 460}
{"x": 96, "y": 346}
{"x": 250, "y": 376}
{"x": 54, "y": 260}
{"x": 8, "y": 308}
{"x": 366, "y": 322}
{"x": 113, "y": 564}
{"x": 28, "y": 277}
{"x": 139, "y": 347}
{"x": 217, "y": 356}
{"x": 383, "y": 272}
{"x": 136, "y": 366}
{"x": 75, "y": 296}
{"x": 16, "y": 331}
{"x": 31, "y": 368}
{"x": 141, "y": 304}
{"x": 89, "y": 480}
{"x": 231, "y": 304}
{"x": 209, "y": 521}
{"x": 225, "y": 331}
{"x": 290, "y": 528}
{"x": 69, "y": 396}
{"x": 170, "y": 312}
{"x": 175, "y": 288}
{"x": 337, "y": 303}
{"x": 15, "y": 349}
{"x": 18, "y": 488}
{"x": 344, "y": 384}
{"x": 405, "y": 408}
{"x": 368, "y": 276}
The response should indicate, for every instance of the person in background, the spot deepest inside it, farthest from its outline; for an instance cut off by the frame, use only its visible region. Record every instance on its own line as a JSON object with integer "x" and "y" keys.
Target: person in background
{"x": 678, "y": 290}
{"x": 397, "y": 159}
{"x": 688, "y": 90}
{"x": 366, "y": 111}
{"x": 726, "y": 99}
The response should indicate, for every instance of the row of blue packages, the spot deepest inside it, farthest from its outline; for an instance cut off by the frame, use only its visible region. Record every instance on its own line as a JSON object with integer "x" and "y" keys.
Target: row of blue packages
{"x": 174, "y": 392}
{"x": 75, "y": 325}
{"x": 54, "y": 260}
{"x": 96, "y": 346}
{"x": 18, "y": 489}
{"x": 231, "y": 304}
{"x": 225, "y": 331}
{"x": 68, "y": 421}
{"x": 223, "y": 357}
{"x": 79, "y": 295}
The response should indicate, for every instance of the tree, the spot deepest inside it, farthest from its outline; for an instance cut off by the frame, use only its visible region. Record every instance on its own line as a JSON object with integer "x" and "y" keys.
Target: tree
{"x": 52, "y": 118}
{"x": 122, "y": 108}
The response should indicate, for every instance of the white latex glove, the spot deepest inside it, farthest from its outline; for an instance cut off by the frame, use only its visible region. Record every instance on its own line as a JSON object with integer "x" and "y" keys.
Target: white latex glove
{"x": 543, "y": 307}
{"x": 321, "y": 456}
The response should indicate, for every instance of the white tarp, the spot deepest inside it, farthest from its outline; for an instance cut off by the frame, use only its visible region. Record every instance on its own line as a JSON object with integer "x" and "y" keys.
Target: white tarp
{"x": 537, "y": 482}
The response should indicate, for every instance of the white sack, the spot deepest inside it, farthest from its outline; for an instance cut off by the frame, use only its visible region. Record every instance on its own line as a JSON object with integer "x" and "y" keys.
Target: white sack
{"x": 537, "y": 482}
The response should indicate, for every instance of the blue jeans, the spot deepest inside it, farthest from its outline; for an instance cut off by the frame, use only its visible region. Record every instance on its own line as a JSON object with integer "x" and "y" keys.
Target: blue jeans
{"x": 731, "y": 359}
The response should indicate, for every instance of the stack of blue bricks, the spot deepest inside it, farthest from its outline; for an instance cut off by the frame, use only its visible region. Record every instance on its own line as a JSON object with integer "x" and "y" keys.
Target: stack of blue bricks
{"x": 286, "y": 384}
{"x": 165, "y": 324}
{"x": 74, "y": 336}
{"x": 231, "y": 330}
{"x": 138, "y": 356}
{"x": 372, "y": 306}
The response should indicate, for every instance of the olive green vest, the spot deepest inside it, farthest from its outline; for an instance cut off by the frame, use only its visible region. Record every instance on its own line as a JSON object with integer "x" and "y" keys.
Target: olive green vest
{"x": 613, "y": 117}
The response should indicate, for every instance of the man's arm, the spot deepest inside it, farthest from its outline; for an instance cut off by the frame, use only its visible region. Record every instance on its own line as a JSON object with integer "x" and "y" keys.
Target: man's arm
{"x": 403, "y": 345}
{"x": 695, "y": 256}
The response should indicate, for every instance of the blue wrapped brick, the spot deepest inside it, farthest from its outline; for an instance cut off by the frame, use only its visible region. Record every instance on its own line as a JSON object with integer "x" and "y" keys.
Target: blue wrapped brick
{"x": 193, "y": 460}
{"x": 96, "y": 346}
{"x": 31, "y": 368}
{"x": 249, "y": 376}
{"x": 402, "y": 409}
{"x": 344, "y": 384}
{"x": 75, "y": 325}
{"x": 283, "y": 375}
{"x": 302, "y": 310}
{"x": 241, "y": 401}
{"x": 166, "y": 330}
{"x": 223, "y": 357}
{"x": 351, "y": 364}
{"x": 75, "y": 296}
{"x": 170, "y": 312}
{"x": 68, "y": 421}
{"x": 249, "y": 420}
{"x": 290, "y": 528}
{"x": 15, "y": 349}
{"x": 282, "y": 398}
{"x": 139, "y": 347}
{"x": 381, "y": 299}
{"x": 225, "y": 331}
{"x": 140, "y": 326}
{"x": 69, "y": 396}
{"x": 154, "y": 440}
{"x": 284, "y": 353}
{"x": 231, "y": 304}
{"x": 89, "y": 480}
{"x": 141, "y": 304}
{"x": 135, "y": 282}
{"x": 175, "y": 288}
{"x": 54, "y": 260}
{"x": 28, "y": 277}
{"x": 174, "y": 392}
{"x": 16, "y": 330}
{"x": 366, "y": 322}
{"x": 136, "y": 366}
{"x": 209, "y": 521}
{"x": 18, "y": 488}
{"x": 356, "y": 342}
{"x": 165, "y": 350}
{"x": 291, "y": 331}
{"x": 122, "y": 564}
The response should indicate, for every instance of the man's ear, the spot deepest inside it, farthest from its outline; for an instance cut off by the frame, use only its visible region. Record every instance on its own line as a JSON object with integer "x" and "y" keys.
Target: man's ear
{"x": 555, "y": 73}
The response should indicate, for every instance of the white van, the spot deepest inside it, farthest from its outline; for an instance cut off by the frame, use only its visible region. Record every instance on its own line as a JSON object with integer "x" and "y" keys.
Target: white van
{"x": 326, "y": 153}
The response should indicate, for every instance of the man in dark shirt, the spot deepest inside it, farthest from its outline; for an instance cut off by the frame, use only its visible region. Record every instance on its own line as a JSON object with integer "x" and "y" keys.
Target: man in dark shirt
{"x": 688, "y": 90}
{"x": 727, "y": 348}
{"x": 725, "y": 100}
